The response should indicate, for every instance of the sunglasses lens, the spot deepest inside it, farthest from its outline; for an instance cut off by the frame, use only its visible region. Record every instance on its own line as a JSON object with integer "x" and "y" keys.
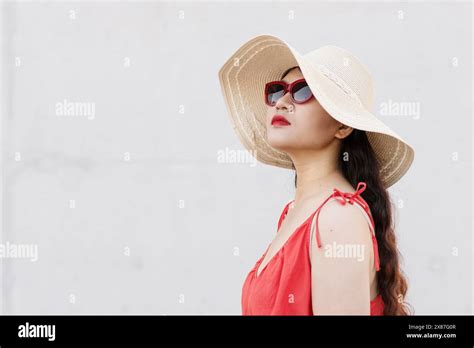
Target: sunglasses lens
{"x": 301, "y": 92}
{"x": 274, "y": 92}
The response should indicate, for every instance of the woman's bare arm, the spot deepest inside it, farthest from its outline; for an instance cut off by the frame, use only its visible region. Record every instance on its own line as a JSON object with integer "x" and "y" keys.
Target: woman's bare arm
{"x": 342, "y": 266}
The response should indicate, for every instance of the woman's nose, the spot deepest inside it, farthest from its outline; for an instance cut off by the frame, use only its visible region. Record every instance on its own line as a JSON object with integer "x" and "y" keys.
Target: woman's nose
{"x": 284, "y": 102}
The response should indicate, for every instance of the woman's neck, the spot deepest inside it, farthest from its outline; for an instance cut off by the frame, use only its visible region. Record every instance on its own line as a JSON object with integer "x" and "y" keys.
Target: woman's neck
{"x": 315, "y": 177}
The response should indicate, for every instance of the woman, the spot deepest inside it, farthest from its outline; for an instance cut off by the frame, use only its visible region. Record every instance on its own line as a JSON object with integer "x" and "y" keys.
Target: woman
{"x": 312, "y": 114}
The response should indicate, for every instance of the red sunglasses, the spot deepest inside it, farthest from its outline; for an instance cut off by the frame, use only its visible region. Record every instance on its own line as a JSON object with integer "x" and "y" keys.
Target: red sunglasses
{"x": 299, "y": 91}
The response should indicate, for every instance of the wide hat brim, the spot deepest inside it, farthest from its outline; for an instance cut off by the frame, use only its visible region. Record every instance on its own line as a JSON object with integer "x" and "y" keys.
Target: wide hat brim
{"x": 264, "y": 58}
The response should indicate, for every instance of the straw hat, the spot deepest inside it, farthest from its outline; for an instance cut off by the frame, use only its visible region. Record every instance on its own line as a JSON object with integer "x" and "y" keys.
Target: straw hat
{"x": 338, "y": 80}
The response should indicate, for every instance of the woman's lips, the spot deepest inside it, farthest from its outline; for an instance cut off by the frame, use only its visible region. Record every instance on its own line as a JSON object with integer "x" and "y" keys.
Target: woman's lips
{"x": 279, "y": 120}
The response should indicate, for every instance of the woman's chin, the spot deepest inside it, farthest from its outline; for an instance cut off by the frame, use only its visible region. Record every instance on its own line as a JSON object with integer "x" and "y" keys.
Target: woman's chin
{"x": 278, "y": 143}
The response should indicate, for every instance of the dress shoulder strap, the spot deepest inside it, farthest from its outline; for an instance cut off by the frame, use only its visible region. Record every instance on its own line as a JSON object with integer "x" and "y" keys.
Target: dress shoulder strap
{"x": 283, "y": 214}
{"x": 343, "y": 198}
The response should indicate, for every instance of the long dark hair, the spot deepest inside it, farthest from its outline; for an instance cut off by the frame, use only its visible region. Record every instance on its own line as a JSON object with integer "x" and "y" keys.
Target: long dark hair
{"x": 358, "y": 162}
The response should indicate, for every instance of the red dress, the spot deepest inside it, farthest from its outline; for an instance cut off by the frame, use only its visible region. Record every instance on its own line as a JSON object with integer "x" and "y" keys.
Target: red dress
{"x": 283, "y": 286}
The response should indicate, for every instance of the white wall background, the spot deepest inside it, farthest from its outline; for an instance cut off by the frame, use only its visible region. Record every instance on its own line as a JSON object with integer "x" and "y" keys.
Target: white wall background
{"x": 144, "y": 234}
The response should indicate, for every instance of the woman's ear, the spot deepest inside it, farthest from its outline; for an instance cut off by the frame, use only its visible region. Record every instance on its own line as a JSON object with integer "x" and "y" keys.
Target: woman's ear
{"x": 343, "y": 131}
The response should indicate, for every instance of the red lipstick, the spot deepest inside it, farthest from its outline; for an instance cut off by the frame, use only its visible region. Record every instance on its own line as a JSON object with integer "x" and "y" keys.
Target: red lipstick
{"x": 279, "y": 120}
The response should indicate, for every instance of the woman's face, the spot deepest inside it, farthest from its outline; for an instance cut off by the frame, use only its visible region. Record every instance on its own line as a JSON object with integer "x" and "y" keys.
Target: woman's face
{"x": 311, "y": 127}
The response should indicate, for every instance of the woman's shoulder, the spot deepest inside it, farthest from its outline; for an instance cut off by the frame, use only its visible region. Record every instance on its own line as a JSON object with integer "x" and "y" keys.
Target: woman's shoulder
{"x": 343, "y": 220}
{"x": 345, "y": 216}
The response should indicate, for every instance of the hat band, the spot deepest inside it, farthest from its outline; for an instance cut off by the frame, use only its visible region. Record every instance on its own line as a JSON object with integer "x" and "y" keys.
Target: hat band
{"x": 339, "y": 82}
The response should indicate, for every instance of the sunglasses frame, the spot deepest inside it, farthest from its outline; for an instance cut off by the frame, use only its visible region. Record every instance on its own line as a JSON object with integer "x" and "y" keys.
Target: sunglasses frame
{"x": 287, "y": 88}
